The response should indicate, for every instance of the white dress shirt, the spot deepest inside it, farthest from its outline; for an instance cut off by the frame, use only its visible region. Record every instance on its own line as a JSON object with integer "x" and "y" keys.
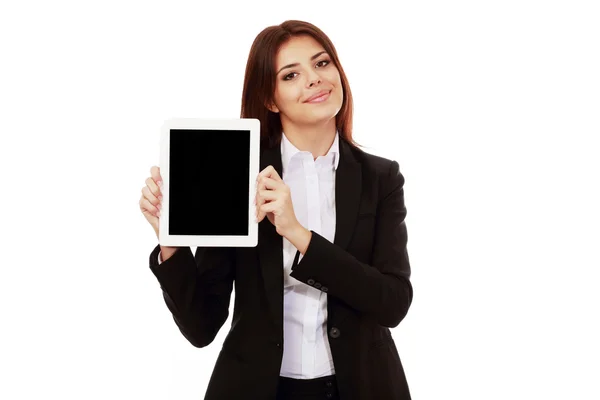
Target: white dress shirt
{"x": 306, "y": 351}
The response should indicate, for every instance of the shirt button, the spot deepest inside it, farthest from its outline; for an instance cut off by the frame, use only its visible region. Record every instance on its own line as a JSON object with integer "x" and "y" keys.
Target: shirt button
{"x": 334, "y": 332}
{"x": 324, "y": 289}
{"x": 310, "y": 281}
{"x": 317, "y": 285}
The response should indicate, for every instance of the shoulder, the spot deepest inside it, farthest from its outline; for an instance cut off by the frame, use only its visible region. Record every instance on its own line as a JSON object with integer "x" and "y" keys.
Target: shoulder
{"x": 379, "y": 169}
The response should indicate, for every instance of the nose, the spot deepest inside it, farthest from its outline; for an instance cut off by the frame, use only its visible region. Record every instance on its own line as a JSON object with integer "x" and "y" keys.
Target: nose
{"x": 313, "y": 79}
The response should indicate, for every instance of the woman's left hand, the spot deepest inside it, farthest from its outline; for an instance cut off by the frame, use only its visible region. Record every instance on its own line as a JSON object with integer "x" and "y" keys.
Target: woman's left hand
{"x": 274, "y": 199}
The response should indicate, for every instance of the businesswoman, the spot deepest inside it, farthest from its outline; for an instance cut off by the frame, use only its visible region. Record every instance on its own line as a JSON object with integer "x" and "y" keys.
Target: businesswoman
{"x": 315, "y": 300}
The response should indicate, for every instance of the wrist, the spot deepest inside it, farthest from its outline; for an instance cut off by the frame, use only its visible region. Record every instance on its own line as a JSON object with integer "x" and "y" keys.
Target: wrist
{"x": 300, "y": 238}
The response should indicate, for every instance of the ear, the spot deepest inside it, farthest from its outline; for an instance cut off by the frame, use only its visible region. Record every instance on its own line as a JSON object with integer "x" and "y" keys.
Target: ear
{"x": 272, "y": 107}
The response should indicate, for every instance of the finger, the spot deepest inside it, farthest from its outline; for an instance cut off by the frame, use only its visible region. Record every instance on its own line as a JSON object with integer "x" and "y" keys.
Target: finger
{"x": 148, "y": 208}
{"x": 258, "y": 199}
{"x": 155, "y": 201}
{"x": 155, "y": 174}
{"x": 264, "y": 172}
{"x": 266, "y": 185}
{"x": 259, "y": 202}
{"x": 269, "y": 207}
{"x": 270, "y": 183}
{"x": 153, "y": 187}
{"x": 262, "y": 197}
{"x": 273, "y": 184}
{"x": 269, "y": 172}
{"x": 259, "y": 214}
{"x": 267, "y": 195}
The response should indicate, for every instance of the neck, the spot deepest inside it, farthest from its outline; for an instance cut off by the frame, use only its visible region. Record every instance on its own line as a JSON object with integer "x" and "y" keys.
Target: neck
{"x": 316, "y": 138}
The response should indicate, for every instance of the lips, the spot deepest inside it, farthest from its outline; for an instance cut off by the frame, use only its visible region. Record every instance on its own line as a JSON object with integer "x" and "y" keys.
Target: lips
{"x": 321, "y": 96}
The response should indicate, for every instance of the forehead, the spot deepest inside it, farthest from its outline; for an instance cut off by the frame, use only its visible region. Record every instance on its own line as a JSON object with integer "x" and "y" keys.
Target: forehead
{"x": 298, "y": 49}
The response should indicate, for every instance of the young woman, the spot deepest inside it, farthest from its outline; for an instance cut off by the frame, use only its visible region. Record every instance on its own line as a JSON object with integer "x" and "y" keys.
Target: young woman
{"x": 315, "y": 299}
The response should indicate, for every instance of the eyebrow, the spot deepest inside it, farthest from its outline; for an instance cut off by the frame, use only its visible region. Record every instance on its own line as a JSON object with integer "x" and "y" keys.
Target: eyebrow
{"x": 296, "y": 64}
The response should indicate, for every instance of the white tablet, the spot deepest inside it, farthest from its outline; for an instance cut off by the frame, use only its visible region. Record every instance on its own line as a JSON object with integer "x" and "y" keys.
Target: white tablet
{"x": 209, "y": 170}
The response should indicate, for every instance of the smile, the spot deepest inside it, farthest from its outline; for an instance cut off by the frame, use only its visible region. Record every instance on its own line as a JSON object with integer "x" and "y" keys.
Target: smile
{"x": 321, "y": 98}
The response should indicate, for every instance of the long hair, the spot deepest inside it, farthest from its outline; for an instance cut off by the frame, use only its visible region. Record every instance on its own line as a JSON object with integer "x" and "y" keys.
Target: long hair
{"x": 259, "y": 80}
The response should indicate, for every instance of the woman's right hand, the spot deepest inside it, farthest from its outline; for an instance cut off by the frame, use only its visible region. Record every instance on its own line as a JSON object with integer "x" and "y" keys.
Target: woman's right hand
{"x": 151, "y": 204}
{"x": 151, "y": 200}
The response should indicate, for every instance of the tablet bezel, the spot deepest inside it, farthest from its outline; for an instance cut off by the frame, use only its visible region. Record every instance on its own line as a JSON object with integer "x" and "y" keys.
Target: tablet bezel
{"x": 250, "y": 124}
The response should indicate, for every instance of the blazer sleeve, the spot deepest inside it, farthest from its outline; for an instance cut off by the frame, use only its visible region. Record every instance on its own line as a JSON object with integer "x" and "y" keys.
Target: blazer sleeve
{"x": 197, "y": 289}
{"x": 381, "y": 290}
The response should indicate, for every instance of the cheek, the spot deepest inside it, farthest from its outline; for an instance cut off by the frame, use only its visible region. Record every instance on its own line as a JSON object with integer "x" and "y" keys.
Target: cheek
{"x": 287, "y": 95}
{"x": 336, "y": 81}
{"x": 339, "y": 91}
{"x": 333, "y": 76}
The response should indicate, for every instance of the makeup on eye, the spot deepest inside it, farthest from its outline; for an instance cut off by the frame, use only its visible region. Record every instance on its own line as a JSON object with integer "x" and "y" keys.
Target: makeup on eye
{"x": 326, "y": 61}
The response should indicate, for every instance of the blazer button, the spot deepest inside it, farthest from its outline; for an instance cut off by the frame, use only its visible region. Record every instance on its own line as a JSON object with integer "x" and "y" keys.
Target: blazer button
{"x": 334, "y": 332}
{"x": 324, "y": 289}
{"x": 310, "y": 281}
{"x": 317, "y": 285}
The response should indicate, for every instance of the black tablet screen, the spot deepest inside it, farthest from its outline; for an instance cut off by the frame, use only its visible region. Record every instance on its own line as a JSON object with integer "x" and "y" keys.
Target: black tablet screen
{"x": 209, "y": 182}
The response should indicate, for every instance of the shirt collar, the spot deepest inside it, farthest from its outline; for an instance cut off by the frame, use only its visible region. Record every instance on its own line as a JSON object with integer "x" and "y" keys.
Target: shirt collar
{"x": 288, "y": 151}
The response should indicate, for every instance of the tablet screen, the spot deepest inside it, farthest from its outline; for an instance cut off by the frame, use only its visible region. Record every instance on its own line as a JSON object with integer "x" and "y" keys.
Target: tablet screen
{"x": 209, "y": 182}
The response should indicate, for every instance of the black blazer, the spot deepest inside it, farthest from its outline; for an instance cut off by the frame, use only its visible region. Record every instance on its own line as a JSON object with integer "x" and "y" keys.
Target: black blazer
{"x": 365, "y": 273}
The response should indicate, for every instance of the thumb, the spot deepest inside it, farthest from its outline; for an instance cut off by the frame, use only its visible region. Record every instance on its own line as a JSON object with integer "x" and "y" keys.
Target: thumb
{"x": 154, "y": 221}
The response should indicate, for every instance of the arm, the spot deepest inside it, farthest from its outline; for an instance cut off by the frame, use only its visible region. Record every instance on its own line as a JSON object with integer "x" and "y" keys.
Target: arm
{"x": 383, "y": 289}
{"x": 166, "y": 252}
{"x": 197, "y": 289}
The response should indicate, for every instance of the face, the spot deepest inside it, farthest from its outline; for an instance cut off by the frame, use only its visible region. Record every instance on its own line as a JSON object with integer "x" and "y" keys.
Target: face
{"x": 304, "y": 70}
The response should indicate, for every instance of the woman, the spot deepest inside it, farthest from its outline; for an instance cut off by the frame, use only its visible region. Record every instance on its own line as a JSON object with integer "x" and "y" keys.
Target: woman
{"x": 330, "y": 275}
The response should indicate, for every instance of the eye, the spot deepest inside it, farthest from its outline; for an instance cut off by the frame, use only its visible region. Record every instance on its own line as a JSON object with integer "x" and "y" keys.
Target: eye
{"x": 320, "y": 64}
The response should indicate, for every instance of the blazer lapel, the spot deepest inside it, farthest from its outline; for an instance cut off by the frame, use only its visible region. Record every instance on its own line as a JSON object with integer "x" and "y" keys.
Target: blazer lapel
{"x": 270, "y": 247}
{"x": 348, "y": 186}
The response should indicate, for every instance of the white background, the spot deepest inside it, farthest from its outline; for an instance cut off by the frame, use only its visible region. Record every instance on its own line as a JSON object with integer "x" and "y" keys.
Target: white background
{"x": 490, "y": 108}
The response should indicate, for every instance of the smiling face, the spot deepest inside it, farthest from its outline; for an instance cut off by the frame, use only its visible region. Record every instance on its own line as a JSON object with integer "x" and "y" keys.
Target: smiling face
{"x": 304, "y": 70}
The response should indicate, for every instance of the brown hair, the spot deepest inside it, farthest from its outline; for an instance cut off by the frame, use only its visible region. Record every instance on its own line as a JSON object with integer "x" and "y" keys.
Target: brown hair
{"x": 259, "y": 80}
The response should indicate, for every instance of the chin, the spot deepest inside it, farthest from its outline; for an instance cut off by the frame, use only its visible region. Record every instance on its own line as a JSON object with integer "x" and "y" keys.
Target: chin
{"x": 322, "y": 114}
{"x": 320, "y": 117}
